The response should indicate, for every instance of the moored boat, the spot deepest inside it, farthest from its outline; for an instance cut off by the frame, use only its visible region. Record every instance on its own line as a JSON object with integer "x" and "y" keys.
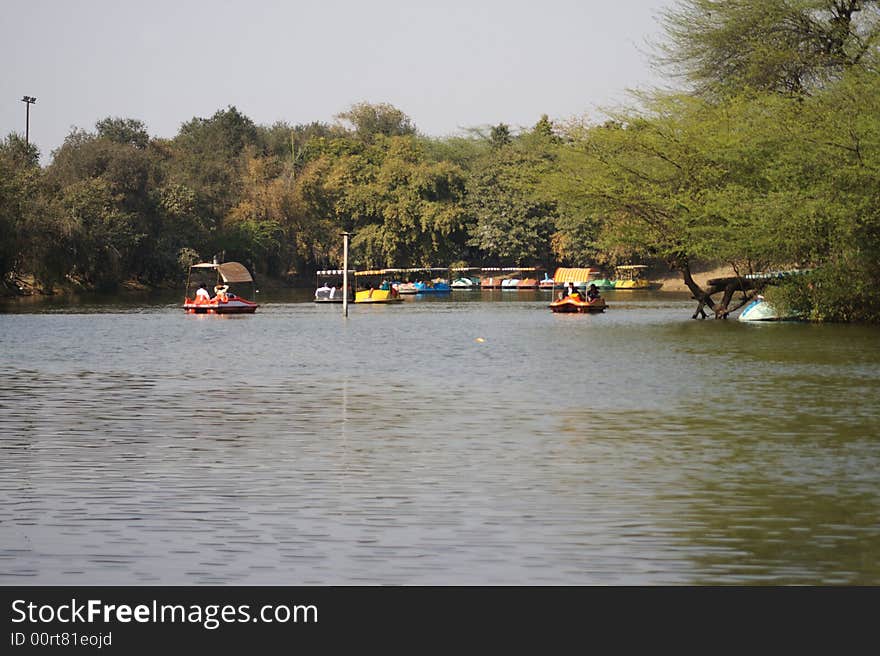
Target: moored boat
{"x": 377, "y": 286}
{"x": 465, "y": 283}
{"x": 377, "y": 296}
{"x": 464, "y": 278}
{"x": 436, "y": 286}
{"x": 509, "y": 283}
{"x": 602, "y": 284}
{"x": 760, "y": 310}
{"x": 629, "y": 278}
{"x": 330, "y": 289}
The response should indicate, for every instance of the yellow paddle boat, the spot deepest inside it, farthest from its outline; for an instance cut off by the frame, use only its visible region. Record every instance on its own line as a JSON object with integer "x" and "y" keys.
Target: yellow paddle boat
{"x": 384, "y": 291}
{"x": 629, "y": 278}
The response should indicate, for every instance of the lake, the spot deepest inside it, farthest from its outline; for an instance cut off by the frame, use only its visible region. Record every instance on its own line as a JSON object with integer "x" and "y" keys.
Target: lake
{"x": 472, "y": 438}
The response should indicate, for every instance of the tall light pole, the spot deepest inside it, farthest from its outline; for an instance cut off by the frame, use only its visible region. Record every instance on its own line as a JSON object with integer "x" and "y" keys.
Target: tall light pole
{"x": 345, "y": 236}
{"x": 30, "y": 100}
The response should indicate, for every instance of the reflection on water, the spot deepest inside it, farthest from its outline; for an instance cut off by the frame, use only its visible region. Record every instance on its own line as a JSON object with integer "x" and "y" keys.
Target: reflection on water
{"x": 142, "y": 445}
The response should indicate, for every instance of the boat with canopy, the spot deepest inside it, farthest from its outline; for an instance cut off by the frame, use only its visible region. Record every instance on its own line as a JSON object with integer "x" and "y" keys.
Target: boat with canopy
{"x": 224, "y": 300}
{"x": 576, "y": 301}
{"x": 330, "y": 288}
{"x": 464, "y": 278}
{"x": 629, "y": 278}
{"x": 382, "y": 292}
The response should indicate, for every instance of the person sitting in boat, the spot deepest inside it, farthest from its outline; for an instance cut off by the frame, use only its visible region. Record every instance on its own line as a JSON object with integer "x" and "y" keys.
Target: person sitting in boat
{"x": 202, "y": 295}
{"x": 592, "y": 293}
{"x": 220, "y": 292}
{"x": 332, "y": 291}
{"x": 385, "y": 286}
{"x": 570, "y": 290}
{"x": 324, "y": 291}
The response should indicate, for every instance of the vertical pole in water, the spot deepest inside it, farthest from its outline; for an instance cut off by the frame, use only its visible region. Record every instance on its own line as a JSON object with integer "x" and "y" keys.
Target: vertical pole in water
{"x": 345, "y": 236}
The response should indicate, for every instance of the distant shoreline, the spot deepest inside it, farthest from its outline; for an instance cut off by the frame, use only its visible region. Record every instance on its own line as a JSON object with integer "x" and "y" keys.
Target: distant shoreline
{"x": 670, "y": 282}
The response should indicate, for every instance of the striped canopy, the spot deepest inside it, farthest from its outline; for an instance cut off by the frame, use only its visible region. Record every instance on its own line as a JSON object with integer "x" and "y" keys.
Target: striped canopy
{"x": 563, "y": 275}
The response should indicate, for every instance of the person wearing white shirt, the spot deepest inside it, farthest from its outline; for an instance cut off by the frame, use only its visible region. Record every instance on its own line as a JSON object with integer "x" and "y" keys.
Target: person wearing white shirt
{"x": 323, "y": 291}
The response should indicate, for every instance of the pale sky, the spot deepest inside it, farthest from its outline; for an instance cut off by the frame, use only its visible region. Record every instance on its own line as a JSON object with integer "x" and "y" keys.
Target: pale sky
{"x": 447, "y": 64}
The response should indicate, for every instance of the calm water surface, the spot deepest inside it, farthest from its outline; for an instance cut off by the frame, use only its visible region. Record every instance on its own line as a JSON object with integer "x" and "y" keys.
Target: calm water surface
{"x": 140, "y": 445}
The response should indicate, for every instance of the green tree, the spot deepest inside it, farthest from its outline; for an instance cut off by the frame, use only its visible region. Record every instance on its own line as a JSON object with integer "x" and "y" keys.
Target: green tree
{"x": 790, "y": 46}
{"x": 121, "y": 158}
{"x": 208, "y": 156}
{"x": 19, "y": 178}
{"x": 98, "y": 236}
{"x": 829, "y": 169}
{"x": 512, "y": 221}
{"x": 500, "y": 136}
{"x": 371, "y": 120}
{"x": 124, "y": 131}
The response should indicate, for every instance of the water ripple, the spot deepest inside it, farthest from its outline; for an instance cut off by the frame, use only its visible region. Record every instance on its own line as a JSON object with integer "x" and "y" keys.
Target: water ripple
{"x": 143, "y": 446}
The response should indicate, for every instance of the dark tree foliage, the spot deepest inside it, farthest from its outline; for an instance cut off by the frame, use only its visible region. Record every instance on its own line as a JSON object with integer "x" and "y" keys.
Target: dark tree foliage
{"x": 124, "y": 131}
{"x": 19, "y": 176}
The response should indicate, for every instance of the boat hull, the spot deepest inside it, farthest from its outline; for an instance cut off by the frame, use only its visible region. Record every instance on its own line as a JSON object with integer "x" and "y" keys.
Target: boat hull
{"x": 576, "y": 305}
{"x": 761, "y": 310}
{"x": 465, "y": 283}
{"x": 377, "y": 296}
{"x": 432, "y": 288}
{"x": 635, "y": 286}
{"x": 324, "y": 297}
{"x": 232, "y": 306}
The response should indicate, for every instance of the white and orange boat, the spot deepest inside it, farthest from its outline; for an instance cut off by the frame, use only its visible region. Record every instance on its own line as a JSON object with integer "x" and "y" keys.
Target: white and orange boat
{"x": 576, "y": 302}
{"x": 224, "y": 301}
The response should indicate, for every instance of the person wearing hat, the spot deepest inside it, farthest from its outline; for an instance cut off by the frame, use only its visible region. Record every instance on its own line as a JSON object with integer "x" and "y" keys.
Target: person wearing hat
{"x": 220, "y": 292}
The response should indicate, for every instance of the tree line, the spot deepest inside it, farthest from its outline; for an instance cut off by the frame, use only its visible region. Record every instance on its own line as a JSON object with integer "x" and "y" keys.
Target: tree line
{"x": 765, "y": 155}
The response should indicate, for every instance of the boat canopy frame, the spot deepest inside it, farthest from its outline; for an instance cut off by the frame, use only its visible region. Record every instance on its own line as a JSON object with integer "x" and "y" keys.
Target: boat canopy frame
{"x": 630, "y": 271}
{"x": 230, "y": 273}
